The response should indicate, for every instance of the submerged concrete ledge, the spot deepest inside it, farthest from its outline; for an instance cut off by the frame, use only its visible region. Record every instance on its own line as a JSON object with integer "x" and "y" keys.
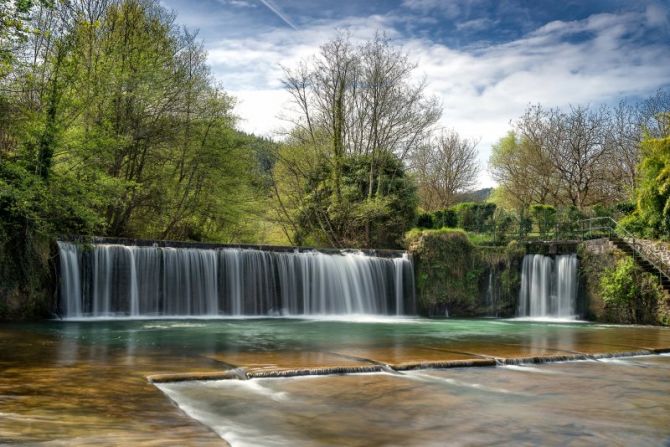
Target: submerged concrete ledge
{"x": 338, "y": 370}
{"x": 243, "y": 374}
{"x": 443, "y": 364}
{"x": 186, "y": 377}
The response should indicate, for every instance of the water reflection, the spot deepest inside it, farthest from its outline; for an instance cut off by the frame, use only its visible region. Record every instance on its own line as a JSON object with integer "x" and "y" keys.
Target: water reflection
{"x": 86, "y": 382}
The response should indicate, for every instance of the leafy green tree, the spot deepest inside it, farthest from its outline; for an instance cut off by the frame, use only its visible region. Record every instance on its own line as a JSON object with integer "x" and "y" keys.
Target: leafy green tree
{"x": 387, "y": 215}
{"x": 654, "y": 188}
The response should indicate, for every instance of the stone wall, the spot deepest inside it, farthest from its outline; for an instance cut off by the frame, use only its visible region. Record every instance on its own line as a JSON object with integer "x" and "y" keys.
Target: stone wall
{"x": 28, "y": 281}
{"x": 599, "y": 256}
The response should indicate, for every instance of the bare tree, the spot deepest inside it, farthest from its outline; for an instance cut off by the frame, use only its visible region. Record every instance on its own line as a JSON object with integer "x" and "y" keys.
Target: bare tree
{"x": 444, "y": 167}
{"x": 654, "y": 115}
{"x": 623, "y": 155}
{"x": 579, "y": 157}
{"x": 356, "y": 100}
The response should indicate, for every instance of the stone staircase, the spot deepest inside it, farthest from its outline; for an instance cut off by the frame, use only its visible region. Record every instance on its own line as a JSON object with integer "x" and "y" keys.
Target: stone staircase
{"x": 643, "y": 258}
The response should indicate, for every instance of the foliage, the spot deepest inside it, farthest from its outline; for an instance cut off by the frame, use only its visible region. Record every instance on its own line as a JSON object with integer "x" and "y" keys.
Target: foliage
{"x": 425, "y": 220}
{"x": 654, "y": 189}
{"x": 446, "y": 271}
{"x": 619, "y": 285}
{"x": 628, "y": 289}
{"x": 445, "y": 218}
{"x": 452, "y": 273}
{"x": 634, "y": 224}
{"x": 354, "y": 219}
{"x": 473, "y": 216}
{"x": 545, "y": 218}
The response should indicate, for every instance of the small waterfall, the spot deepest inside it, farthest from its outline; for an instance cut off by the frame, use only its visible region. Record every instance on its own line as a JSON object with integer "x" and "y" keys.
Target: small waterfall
{"x": 548, "y": 286}
{"x": 107, "y": 280}
{"x": 492, "y": 294}
{"x": 70, "y": 279}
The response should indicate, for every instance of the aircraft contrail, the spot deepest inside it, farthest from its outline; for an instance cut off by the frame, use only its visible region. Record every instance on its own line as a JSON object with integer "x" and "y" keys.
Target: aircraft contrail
{"x": 278, "y": 12}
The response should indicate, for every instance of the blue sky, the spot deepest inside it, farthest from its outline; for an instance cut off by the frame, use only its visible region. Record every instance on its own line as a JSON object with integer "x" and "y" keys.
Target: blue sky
{"x": 485, "y": 59}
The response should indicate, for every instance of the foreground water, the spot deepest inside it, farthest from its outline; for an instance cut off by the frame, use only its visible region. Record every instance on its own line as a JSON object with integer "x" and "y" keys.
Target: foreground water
{"x": 69, "y": 383}
{"x": 578, "y": 403}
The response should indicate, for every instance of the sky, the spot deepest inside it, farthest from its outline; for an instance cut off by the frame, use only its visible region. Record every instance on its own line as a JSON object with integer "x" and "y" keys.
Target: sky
{"x": 486, "y": 60}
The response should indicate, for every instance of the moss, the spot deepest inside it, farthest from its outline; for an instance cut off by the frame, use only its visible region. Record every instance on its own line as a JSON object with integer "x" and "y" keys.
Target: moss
{"x": 27, "y": 280}
{"x": 452, "y": 273}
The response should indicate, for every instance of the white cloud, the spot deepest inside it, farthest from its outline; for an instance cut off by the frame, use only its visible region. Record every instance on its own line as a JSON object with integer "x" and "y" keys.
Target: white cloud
{"x": 260, "y": 111}
{"x": 657, "y": 15}
{"x": 450, "y": 8}
{"x": 593, "y": 61}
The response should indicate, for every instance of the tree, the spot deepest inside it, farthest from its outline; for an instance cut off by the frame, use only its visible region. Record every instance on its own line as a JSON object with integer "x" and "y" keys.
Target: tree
{"x": 579, "y": 157}
{"x": 444, "y": 167}
{"x": 324, "y": 218}
{"x": 523, "y": 172}
{"x": 654, "y": 190}
{"x": 349, "y": 101}
{"x": 14, "y": 27}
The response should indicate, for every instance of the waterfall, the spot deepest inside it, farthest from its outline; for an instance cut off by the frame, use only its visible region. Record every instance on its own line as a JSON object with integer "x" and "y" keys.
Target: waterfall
{"x": 108, "y": 280}
{"x": 548, "y": 286}
{"x": 492, "y": 295}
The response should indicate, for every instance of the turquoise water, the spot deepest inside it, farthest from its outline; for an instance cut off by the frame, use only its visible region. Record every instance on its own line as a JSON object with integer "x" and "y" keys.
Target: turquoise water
{"x": 85, "y": 383}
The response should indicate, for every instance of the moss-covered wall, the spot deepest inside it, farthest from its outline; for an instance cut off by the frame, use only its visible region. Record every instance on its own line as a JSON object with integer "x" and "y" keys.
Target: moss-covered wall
{"x": 645, "y": 302}
{"x": 454, "y": 275}
{"x": 27, "y": 280}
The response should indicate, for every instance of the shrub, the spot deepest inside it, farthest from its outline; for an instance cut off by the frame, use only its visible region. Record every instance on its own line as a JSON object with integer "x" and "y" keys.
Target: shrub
{"x": 473, "y": 216}
{"x": 545, "y": 217}
{"x": 445, "y": 218}
{"x": 633, "y": 223}
{"x": 631, "y": 292}
{"x": 425, "y": 220}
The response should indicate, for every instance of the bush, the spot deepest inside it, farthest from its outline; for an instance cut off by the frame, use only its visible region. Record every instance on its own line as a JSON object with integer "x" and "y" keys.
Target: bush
{"x": 545, "y": 217}
{"x": 474, "y": 216}
{"x": 633, "y": 223}
{"x": 624, "y": 208}
{"x": 445, "y": 218}
{"x": 425, "y": 220}
{"x": 631, "y": 292}
{"x": 500, "y": 226}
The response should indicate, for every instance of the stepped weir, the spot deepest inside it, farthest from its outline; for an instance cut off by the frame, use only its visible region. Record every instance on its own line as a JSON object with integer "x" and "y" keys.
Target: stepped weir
{"x": 144, "y": 281}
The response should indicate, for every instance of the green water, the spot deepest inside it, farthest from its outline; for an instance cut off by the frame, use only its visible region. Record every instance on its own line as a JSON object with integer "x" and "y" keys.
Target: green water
{"x": 203, "y": 336}
{"x": 85, "y": 383}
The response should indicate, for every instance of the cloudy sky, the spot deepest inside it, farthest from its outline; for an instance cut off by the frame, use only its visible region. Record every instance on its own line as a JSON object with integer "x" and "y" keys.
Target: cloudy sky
{"x": 486, "y": 59}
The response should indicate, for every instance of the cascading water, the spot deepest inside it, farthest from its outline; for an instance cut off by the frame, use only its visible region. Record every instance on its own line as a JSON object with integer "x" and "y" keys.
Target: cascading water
{"x": 548, "y": 286}
{"x": 110, "y": 280}
{"x": 492, "y": 295}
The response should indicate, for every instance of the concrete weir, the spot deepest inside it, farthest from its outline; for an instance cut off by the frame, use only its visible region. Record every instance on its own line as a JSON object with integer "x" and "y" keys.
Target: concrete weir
{"x": 144, "y": 279}
{"x": 242, "y": 373}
